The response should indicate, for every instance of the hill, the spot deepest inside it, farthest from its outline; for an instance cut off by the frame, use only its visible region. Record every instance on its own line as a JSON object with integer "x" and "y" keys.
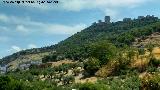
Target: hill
{"x": 119, "y": 33}
{"x": 121, "y": 55}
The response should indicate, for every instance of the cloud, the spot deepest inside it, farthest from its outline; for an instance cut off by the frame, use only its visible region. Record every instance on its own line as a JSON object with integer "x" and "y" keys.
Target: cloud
{"x": 21, "y": 28}
{"x": 108, "y": 7}
{"x": 63, "y": 29}
{"x": 32, "y": 46}
{"x": 3, "y": 18}
{"x": 113, "y": 13}
{"x": 77, "y": 5}
{"x": 26, "y": 25}
{"x": 15, "y": 48}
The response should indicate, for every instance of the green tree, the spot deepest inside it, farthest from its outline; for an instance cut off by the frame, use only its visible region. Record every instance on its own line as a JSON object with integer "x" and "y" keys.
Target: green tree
{"x": 68, "y": 80}
{"x": 103, "y": 51}
{"x": 150, "y": 47}
{"x": 91, "y": 65}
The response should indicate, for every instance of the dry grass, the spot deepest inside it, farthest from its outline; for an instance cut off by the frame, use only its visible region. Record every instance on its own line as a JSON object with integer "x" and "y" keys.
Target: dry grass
{"x": 26, "y": 58}
{"x": 107, "y": 70}
{"x": 141, "y": 61}
{"x": 87, "y": 80}
{"x": 156, "y": 52}
{"x": 58, "y": 63}
{"x": 153, "y": 38}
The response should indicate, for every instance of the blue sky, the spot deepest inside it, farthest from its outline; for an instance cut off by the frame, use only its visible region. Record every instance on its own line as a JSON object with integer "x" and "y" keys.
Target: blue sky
{"x": 27, "y": 26}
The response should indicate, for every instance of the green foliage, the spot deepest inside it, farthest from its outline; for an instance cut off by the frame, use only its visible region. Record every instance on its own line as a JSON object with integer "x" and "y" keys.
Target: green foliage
{"x": 68, "y": 80}
{"x": 126, "y": 83}
{"x": 151, "y": 82}
{"x": 103, "y": 51}
{"x": 35, "y": 72}
{"x": 65, "y": 67}
{"x": 91, "y": 65}
{"x": 141, "y": 51}
{"x": 151, "y": 69}
{"x": 119, "y": 33}
{"x": 130, "y": 53}
{"x": 154, "y": 62}
{"x": 90, "y": 86}
{"x": 100, "y": 42}
{"x": 7, "y": 83}
{"x": 150, "y": 47}
{"x": 50, "y": 58}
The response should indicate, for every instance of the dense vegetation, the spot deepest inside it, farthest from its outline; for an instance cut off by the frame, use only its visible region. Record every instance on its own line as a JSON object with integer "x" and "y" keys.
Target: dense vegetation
{"x": 102, "y": 50}
{"x": 120, "y": 33}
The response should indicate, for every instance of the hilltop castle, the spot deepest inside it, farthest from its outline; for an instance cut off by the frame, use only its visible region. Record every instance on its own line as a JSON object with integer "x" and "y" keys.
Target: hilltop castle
{"x": 107, "y": 19}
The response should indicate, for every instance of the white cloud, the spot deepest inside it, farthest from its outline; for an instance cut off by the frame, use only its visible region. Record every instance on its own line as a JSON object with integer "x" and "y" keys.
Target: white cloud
{"x": 26, "y": 25}
{"x": 21, "y": 28}
{"x": 63, "y": 29}
{"x": 77, "y": 5}
{"x": 110, "y": 6}
{"x": 15, "y": 48}
{"x": 32, "y": 46}
{"x": 3, "y": 18}
{"x": 112, "y": 13}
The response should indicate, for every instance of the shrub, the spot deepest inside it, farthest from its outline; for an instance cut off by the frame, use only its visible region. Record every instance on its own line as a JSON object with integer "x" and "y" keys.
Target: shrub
{"x": 68, "y": 80}
{"x": 90, "y": 86}
{"x": 92, "y": 65}
{"x": 50, "y": 58}
{"x": 154, "y": 62}
{"x": 102, "y": 50}
{"x": 151, "y": 82}
{"x": 7, "y": 83}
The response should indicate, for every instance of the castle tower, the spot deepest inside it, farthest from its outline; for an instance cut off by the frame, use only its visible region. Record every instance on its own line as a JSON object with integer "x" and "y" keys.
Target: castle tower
{"x": 99, "y": 21}
{"x": 107, "y": 19}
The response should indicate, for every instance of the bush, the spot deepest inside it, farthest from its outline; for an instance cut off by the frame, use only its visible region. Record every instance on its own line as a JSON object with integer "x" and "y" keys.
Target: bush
{"x": 7, "y": 83}
{"x": 68, "y": 80}
{"x": 151, "y": 82}
{"x": 90, "y": 86}
{"x": 154, "y": 62}
{"x": 103, "y": 51}
{"x": 50, "y": 58}
{"x": 92, "y": 65}
{"x": 124, "y": 83}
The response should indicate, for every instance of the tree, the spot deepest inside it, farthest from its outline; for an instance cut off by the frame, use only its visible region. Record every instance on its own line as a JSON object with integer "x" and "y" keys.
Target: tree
{"x": 141, "y": 51}
{"x": 44, "y": 72}
{"x": 103, "y": 51}
{"x": 68, "y": 80}
{"x": 51, "y": 71}
{"x": 130, "y": 53}
{"x": 50, "y": 58}
{"x": 150, "y": 47}
{"x": 91, "y": 65}
{"x": 8, "y": 83}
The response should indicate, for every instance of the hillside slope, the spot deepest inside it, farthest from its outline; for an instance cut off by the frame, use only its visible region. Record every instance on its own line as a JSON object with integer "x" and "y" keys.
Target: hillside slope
{"x": 74, "y": 47}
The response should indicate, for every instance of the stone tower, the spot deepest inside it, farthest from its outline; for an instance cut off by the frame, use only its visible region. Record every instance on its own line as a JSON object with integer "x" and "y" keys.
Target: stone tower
{"x": 107, "y": 19}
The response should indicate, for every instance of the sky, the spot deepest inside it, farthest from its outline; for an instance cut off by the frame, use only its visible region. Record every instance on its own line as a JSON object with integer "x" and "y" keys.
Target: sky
{"x": 24, "y": 26}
